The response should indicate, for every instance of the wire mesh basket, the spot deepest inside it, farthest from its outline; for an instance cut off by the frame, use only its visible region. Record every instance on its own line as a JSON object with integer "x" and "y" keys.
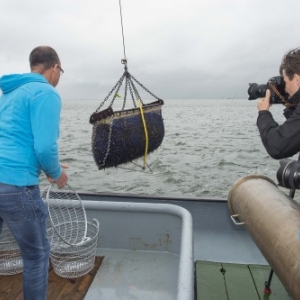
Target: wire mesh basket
{"x": 67, "y": 223}
{"x": 71, "y": 261}
{"x": 11, "y": 262}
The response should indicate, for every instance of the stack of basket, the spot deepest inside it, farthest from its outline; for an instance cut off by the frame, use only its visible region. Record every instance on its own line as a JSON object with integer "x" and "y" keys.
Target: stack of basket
{"x": 11, "y": 262}
{"x": 73, "y": 240}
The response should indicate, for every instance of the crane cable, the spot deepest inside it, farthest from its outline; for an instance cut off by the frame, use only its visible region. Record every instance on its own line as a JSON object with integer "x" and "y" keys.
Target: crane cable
{"x": 124, "y": 61}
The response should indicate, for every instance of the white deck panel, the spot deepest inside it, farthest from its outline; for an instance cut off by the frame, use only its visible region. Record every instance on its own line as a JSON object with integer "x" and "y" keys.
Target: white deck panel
{"x": 131, "y": 275}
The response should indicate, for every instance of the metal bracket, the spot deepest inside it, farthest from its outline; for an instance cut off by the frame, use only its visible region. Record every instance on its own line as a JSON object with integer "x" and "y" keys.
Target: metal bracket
{"x": 236, "y": 221}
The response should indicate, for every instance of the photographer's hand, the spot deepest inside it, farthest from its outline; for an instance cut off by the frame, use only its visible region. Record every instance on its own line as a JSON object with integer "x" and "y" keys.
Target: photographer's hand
{"x": 264, "y": 103}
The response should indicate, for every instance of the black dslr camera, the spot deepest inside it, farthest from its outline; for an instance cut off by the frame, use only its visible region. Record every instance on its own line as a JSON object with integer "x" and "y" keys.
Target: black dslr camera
{"x": 288, "y": 174}
{"x": 259, "y": 90}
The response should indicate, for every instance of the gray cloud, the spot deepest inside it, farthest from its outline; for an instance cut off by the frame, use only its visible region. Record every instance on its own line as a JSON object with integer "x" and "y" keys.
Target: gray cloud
{"x": 176, "y": 48}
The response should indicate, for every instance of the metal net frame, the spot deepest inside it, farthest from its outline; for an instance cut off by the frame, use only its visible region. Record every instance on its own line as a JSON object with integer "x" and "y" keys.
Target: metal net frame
{"x": 130, "y": 85}
{"x": 76, "y": 261}
{"x": 67, "y": 222}
{"x": 121, "y": 136}
{"x": 11, "y": 261}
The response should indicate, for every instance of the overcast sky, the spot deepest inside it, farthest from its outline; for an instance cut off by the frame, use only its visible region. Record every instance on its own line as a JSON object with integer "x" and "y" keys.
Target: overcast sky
{"x": 185, "y": 49}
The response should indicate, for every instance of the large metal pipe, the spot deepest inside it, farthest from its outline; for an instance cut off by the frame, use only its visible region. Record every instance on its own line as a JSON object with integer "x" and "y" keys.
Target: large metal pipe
{"x": 272, "y": 219}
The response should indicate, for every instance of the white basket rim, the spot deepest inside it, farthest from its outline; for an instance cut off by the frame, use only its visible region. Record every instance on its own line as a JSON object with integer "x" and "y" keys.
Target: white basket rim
{"x": 51, "y": 216}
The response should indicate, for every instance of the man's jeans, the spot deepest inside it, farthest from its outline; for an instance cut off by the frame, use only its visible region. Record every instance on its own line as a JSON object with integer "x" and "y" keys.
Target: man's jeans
{"x": 25, "y": 214}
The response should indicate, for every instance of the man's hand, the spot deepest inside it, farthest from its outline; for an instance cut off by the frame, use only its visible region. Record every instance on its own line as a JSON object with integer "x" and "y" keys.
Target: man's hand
{"x": 63, "y": 179}
{"x": 264, "y": 103}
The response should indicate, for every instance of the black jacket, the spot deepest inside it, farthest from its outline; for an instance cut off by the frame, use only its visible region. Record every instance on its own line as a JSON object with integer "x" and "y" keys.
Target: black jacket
{"x": 280, "y": 141}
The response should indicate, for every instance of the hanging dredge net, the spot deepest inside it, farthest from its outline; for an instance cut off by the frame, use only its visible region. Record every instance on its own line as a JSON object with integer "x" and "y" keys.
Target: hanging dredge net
{"x": 122, "y": 136}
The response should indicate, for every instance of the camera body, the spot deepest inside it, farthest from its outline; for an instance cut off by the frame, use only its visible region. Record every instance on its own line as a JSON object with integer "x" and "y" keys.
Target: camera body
{"x": 259, "y": 90}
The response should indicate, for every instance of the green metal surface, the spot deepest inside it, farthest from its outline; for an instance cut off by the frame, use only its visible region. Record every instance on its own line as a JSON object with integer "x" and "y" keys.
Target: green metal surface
{"x": 225, "y": 281}
{"x": 261, "y": 274}
{"x": 210, "y": 281}
{"x": 239, "y": 282}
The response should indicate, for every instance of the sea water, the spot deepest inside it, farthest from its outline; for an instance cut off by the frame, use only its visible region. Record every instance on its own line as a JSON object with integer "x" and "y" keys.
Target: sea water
{"x": 208, "y": 145}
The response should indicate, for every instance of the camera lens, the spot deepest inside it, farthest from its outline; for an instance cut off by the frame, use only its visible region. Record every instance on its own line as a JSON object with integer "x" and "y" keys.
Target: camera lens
{"x": 256, "y": 91}
{"x": 288, "y": 174}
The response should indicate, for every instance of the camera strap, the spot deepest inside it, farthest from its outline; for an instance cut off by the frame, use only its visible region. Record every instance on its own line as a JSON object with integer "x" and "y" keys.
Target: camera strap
{"x": 273, "y": 87}
{"x": 294, "y": 100}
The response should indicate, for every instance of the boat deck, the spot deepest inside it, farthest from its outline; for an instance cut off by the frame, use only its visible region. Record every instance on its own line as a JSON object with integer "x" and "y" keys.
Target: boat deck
{"x": 226, "y": 281}
{"x": 213, "y": 281}
{"x": 59, "y": 288}
{"x": 136, "y": 275}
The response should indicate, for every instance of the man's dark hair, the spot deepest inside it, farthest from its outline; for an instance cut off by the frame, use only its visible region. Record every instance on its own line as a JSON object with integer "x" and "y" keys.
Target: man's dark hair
{"x": 291, "y": 63}
{"x": 43, "y": 55}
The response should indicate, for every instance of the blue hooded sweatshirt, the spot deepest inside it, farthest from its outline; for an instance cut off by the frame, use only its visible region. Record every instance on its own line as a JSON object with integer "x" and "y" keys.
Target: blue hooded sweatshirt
{"x": 29, "y": 129}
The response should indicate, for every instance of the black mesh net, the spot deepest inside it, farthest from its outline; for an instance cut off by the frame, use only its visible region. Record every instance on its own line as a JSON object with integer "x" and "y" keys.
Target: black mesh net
{"x": 120, "y": 137}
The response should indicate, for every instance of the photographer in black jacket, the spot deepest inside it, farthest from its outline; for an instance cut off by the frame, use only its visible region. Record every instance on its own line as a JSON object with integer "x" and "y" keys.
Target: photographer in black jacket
{"x": 282, "y": 141}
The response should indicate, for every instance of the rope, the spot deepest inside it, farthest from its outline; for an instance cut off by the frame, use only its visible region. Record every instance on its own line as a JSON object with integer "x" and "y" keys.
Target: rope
{"x": 146, "y": 133}
{"x": 124, "y": 61}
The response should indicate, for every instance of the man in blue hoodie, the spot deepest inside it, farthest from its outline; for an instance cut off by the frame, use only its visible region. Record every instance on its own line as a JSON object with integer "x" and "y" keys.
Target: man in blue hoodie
{"x": 29, "y": 129}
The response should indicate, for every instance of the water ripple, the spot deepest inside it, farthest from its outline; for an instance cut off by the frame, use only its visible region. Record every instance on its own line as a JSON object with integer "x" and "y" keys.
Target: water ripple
{"x": 208, "y": 146}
